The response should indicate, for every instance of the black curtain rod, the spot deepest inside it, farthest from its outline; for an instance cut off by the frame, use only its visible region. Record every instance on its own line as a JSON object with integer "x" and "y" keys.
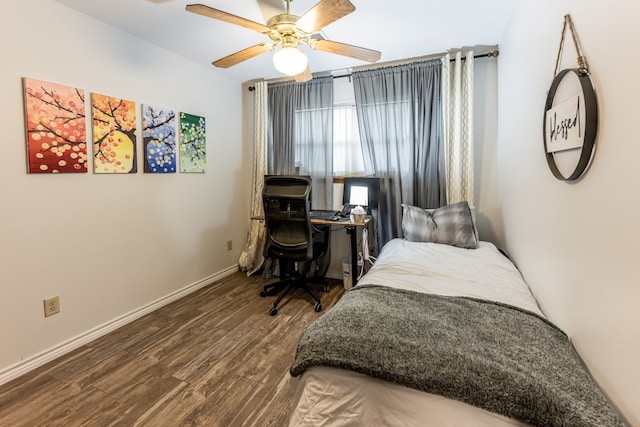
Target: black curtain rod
{"x": 492, "y": 54}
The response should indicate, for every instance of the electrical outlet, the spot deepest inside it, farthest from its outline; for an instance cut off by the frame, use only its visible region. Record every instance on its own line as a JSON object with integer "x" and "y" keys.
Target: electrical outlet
{"x": 229, "y": 245}
{"x": 51, "y": 306}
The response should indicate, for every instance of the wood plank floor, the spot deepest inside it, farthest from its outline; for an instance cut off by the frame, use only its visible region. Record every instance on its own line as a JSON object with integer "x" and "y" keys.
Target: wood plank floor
{"x": 213, "y": 358}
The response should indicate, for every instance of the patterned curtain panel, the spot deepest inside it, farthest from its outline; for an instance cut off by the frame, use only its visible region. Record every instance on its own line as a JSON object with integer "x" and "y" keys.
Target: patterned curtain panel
{"x": 457, "y": 91}
{"x": 251, "y": 258}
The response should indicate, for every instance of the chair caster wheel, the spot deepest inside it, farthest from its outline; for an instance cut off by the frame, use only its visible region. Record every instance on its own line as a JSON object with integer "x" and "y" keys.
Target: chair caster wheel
{"x": 263, "y": 293}
{"x": 273, "y": 311}
{"x": 318, "y": 307}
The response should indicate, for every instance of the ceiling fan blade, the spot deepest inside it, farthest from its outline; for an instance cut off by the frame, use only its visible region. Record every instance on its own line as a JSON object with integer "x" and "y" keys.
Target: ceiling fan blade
{"x": 243, "y": 55}
{"x": 304, "y": 76}
{"x": 323, "y": 14}
{"x": 347, "y": 50}
{"x": 270, "y": 8}
{"x": 210, "y": 12}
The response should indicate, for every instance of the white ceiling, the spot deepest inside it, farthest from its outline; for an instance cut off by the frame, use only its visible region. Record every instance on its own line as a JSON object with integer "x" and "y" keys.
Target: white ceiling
{"x": 400, "y": 29}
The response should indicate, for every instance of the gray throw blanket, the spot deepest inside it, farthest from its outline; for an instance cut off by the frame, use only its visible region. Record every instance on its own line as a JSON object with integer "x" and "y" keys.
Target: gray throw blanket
{"x": 490, "y": 355}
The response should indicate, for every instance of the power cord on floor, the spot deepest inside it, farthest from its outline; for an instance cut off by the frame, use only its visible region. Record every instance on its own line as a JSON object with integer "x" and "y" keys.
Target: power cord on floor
{"x": 364, "y": 256}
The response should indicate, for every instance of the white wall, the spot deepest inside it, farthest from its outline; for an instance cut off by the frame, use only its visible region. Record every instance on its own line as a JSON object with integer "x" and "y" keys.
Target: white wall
{"x": 107, "y": 244}
{"x": 577, "y": 244}
{"x": 485, "y": 137}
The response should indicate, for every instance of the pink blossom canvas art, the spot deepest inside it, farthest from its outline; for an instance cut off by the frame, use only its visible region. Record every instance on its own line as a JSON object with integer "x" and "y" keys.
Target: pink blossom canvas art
{"x": 55, "y": 127}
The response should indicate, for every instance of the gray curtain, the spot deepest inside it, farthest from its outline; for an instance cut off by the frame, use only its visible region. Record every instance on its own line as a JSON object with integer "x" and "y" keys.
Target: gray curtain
{"x": 401, "y": 130}
{"x": 300, "y": 137}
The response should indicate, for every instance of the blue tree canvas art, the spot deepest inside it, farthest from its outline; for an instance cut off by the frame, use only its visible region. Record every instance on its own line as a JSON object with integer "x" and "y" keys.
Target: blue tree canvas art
{"x": 159, "y": 139}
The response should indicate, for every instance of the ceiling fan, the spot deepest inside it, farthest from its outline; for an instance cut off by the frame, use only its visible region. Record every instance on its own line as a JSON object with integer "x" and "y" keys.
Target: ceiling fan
{"x": 289, "y": 31}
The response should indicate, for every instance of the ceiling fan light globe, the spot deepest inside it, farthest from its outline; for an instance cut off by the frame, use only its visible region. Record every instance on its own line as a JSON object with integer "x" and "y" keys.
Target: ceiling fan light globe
{"x": 290, "y": 61}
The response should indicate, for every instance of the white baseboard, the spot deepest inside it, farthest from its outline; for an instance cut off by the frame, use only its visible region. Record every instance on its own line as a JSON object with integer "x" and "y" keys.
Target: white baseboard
{"x": 61, "y": 349}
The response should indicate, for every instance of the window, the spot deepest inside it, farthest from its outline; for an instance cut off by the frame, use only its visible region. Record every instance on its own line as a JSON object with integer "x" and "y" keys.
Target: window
{"x": 347, "y": 151}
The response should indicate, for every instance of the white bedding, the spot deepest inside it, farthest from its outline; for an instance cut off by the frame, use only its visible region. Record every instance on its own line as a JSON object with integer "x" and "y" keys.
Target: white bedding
{"x": 334, "y": 397}
{"x": 448, "y": 270}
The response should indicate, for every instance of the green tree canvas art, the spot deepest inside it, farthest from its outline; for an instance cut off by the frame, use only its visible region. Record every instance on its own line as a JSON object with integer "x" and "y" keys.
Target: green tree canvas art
{"x": 193, "y": 143}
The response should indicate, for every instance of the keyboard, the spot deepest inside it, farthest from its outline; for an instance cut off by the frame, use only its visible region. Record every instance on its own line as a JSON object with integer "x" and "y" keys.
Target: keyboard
{"x": 323, "y": 214}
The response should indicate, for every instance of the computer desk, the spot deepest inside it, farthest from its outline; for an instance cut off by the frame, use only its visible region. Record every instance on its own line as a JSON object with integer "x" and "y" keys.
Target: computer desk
{"x": 352, "y": 230}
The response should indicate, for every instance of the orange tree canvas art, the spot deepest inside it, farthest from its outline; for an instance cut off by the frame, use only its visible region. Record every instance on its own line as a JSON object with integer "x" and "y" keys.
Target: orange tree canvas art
{"x": 114, "y": 134}
{"x": 55, "y": 127}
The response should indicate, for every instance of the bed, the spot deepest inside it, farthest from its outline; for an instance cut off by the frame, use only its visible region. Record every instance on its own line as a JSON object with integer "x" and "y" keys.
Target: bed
{"x": 442, "y": 331}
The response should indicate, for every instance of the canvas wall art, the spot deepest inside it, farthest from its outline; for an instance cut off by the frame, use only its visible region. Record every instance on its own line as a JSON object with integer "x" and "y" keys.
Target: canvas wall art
{"x": 55, "y": 128}
{"x": 159, "y": 139}
{"x": 114, "y": 134}
{"x": 193, "y": 143}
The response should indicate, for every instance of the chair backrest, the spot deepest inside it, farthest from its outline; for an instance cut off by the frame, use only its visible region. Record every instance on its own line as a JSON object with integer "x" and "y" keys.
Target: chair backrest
{"x": 289, "y": 232}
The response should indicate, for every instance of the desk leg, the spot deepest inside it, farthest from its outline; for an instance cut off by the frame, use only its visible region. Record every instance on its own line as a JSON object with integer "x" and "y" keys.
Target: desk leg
{"x": 352, "y": 231}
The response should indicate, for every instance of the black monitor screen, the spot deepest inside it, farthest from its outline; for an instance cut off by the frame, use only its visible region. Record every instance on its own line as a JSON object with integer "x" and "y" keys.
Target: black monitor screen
{"x": 364, "y": 192}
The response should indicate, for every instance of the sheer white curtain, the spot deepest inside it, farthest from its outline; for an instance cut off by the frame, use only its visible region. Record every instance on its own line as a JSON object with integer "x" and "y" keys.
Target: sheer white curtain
{"x": 457, "y": 99}
{"x": 251, "y": 258}
{"x": 347, "y": 152}
{"x": 300, "y": 139}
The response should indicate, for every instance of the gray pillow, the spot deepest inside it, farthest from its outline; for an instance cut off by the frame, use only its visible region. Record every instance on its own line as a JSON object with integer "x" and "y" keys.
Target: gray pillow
{"x": 473, "y": 220}
{"x": 450, "y": 224}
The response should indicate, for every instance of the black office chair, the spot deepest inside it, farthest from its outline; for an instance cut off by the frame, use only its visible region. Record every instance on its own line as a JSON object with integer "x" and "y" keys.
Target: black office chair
{"x": 291, "y": 238}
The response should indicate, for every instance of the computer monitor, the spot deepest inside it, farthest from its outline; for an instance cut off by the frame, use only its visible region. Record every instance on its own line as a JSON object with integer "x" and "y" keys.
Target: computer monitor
{"x": 360, "y": 191}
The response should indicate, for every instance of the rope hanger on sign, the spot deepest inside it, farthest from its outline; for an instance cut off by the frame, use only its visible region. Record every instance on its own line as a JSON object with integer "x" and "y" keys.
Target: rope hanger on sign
{"x": 582, "y": 61}
{"x": 571, "y": 113}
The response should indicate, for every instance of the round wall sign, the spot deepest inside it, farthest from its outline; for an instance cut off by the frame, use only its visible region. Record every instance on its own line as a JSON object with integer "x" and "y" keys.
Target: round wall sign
{"x": 570, "y": 122}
